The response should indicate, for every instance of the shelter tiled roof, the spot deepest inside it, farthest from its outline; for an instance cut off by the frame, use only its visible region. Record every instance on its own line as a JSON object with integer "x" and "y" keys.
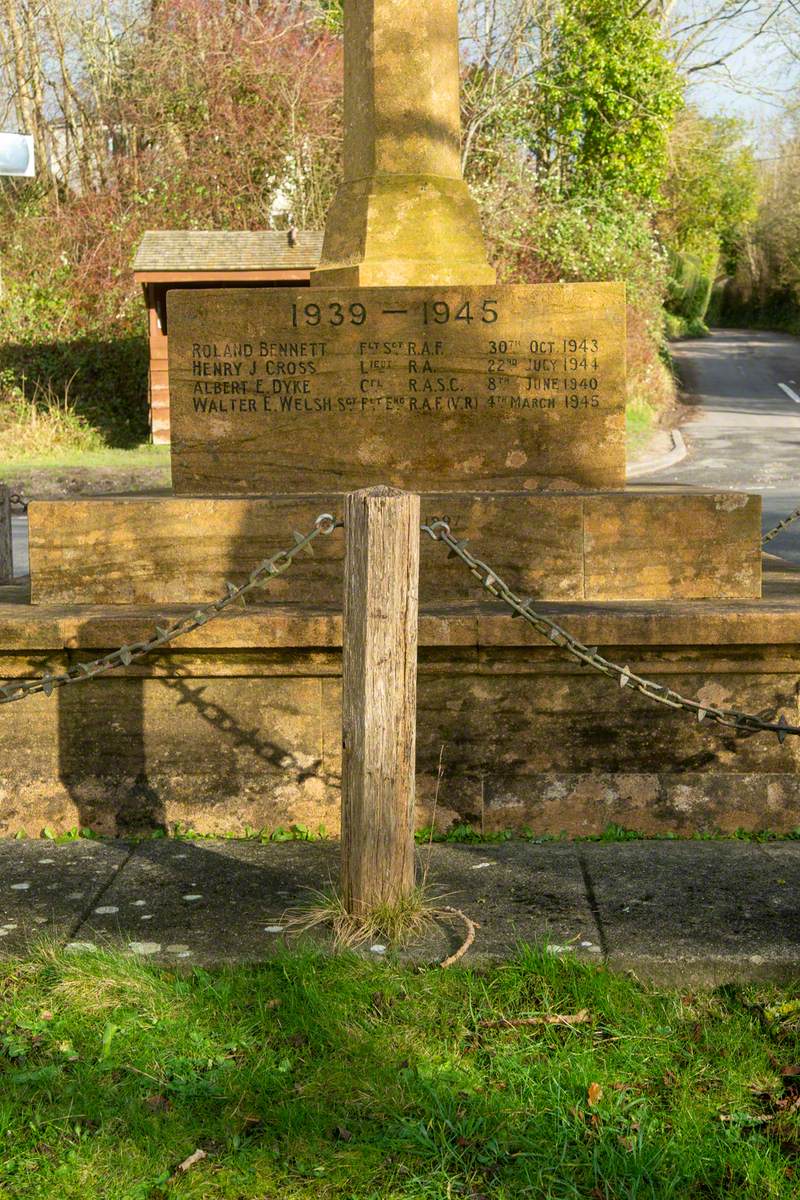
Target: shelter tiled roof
{"x": 204, "y": 250}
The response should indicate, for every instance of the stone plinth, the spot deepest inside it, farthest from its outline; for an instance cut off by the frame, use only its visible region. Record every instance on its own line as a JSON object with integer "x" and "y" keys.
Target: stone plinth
{"x": 239, "y": 723}
{"x": 520, "y": 387}
{"x": 564, "y": 546}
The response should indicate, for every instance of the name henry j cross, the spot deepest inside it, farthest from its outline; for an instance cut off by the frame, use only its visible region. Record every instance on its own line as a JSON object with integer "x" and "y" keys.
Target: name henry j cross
{"x": 405, "y": 362}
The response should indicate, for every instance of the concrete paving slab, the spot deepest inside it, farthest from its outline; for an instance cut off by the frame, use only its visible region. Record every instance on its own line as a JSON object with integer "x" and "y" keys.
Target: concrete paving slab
{"x": 213, "y": 902}
{"x": 788, "y": 852}
{"x": 46, "y": 889}
{"x": 697, "y": 913}
{"x": 208, "y": 902}
{"x": 519, "y": 893}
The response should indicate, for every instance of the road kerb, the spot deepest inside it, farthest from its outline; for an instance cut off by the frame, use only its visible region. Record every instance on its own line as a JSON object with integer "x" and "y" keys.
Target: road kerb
{"x": 650, "y": 466}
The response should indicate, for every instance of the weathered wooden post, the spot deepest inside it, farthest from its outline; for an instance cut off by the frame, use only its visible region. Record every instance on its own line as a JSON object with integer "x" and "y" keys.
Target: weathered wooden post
{"x": 379, "y": 669}
{"x": 6, "y": 568}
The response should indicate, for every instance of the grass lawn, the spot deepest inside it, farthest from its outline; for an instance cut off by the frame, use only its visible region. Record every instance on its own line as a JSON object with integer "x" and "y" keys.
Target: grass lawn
{"x": 640, "y": 420}
{"x": 102, "y": 458}
{"x": 317, "y": 1076}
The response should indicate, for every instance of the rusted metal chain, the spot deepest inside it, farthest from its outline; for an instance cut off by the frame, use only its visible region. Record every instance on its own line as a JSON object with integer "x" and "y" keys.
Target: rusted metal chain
{"x": 588, "y": 656}
{"x": 793, "y": 516}
{"x": 125, "y": 655}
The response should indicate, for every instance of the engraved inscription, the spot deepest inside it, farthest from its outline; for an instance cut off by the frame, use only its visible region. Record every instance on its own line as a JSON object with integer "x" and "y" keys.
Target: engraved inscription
{"x": 427, "y": 388}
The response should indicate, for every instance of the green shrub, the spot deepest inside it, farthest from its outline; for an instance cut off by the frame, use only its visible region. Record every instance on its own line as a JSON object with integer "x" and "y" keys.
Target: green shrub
{"x": 674, "y": 326}
{"x": 41, "y": 421}
{"x": 689, "y": 286}
{"x": 47, "y": 353}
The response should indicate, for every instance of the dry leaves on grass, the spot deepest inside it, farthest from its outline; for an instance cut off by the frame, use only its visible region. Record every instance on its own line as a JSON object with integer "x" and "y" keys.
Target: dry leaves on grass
{"x": 191, "y": 1161}
{"x": 568, "y": 1019}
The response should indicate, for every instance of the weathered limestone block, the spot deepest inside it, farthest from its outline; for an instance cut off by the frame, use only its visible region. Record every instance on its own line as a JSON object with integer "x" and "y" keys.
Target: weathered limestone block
{"x": 240, "y": 723}
{"x": 517, "y": 387}
{"x": 553, "y": 546}
{"x": 646, "y": 546}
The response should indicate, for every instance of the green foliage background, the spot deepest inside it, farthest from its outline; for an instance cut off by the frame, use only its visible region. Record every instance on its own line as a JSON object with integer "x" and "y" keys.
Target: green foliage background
{"x": 584, "y": 158}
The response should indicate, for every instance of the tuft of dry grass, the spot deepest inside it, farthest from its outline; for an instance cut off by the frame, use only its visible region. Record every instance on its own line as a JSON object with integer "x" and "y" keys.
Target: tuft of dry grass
{"x": 42, "y": 422}
{"x": 398, "y": 923}
{"x": 94, "y": 984}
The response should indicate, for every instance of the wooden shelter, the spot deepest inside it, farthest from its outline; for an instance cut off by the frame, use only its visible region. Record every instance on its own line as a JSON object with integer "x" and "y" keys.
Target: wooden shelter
{"x": 168, "y": 259}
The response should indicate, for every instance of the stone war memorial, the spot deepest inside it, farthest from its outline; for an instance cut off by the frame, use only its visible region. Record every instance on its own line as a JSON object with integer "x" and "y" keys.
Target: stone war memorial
{"x": 502, "y": 406}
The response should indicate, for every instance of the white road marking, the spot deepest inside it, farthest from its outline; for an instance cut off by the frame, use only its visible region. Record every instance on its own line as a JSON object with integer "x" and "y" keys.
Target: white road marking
{"x": 792, "y": 395}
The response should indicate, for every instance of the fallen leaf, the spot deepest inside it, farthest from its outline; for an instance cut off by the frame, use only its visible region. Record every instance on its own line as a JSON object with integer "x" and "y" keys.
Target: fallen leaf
{"x": 272, "y": 1004}
{"x": 745, "y": 1119}
{"x": 342, "y": 1134}
{"x": 594, "y": 1094}
{"x": 577, "y": 1018}
{"x": 189, "y": 1162}
{"x": 158, "y": 1103}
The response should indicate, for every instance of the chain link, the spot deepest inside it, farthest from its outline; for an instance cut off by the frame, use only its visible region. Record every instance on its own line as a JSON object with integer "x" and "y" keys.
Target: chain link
{"x": 18, "y": 501}
{"x": 588, "y": 656}
{"x": 793, "y": 516}
{"x": 261, "y": 575}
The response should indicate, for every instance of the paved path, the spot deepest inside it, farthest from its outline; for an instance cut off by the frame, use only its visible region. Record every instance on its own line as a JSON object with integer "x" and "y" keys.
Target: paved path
{"x": 744, "y": 432}
{"x": 682, "y": 913}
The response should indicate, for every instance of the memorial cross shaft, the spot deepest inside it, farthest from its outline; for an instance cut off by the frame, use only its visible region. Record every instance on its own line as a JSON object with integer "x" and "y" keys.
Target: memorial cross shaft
{"x": 403, "y": 215}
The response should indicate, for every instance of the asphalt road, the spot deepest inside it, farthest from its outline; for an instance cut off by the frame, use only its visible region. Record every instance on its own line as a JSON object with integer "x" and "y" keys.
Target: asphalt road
{"x": 19, "y": 545}
{"x": 743, "y": 422}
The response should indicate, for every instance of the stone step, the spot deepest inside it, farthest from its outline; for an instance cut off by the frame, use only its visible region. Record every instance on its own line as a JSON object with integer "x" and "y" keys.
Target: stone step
{"x": 584, "y": 546}
{"x": 239, "y": 723}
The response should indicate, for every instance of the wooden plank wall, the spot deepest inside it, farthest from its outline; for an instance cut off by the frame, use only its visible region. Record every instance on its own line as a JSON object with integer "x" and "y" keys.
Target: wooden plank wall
{"x": 159, "y": 372}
